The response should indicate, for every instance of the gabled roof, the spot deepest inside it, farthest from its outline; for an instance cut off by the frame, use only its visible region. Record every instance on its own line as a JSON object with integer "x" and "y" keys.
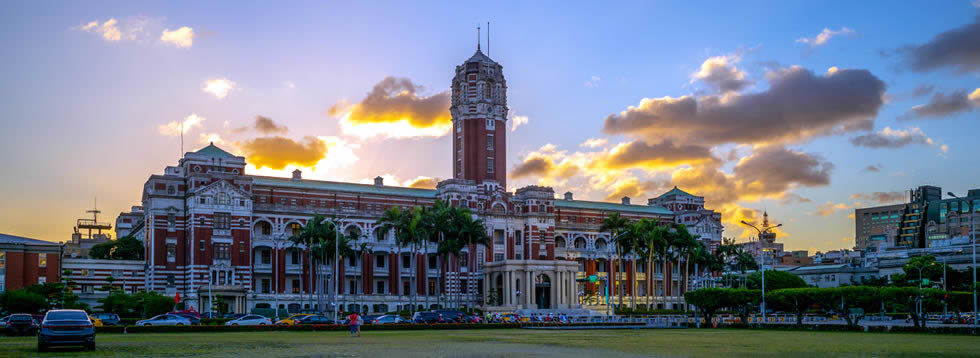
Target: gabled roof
{"x": 339, "y": 186}
{"x": 675, "y": 191}
{"x": 604, "y": 206}
{"x": 213, "y": 151}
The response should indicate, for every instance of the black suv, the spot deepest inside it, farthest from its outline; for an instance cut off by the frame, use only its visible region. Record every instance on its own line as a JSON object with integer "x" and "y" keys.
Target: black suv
{"x": 20, "y": 325}
{"x": 315, "y": 319}
{"x": 455, "y": 316}
{"x": 64, "y": 328}
{"x": 428, "y": 317}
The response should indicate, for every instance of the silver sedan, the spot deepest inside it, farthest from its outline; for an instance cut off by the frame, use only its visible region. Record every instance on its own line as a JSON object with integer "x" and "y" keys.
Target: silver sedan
{"x": 249, "y": 320}
{"x": 165, "y": 320}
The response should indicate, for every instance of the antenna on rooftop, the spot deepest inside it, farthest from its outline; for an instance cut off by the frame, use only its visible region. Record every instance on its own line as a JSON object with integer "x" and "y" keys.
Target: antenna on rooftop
{"x": 478, "y": 38}
{"x": 488, "y": 38}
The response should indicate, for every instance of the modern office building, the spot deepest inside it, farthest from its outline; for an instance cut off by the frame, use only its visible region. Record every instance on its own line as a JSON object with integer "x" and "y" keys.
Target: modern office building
{"x": 926, "y": 220}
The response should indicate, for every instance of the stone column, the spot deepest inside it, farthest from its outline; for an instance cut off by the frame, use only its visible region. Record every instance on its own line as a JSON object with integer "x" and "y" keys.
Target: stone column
{"x": 508, "y": 293}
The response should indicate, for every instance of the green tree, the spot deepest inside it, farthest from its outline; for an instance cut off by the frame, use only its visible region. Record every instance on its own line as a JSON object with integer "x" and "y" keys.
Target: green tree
{"x": 849, "y": 302}
{"x": 123, "y": 248}
{"x": 775, "y": 280}
{"x": 708, "y": 300}
{"x": 615, "y": 224}
{"x": 22, "y": 301}
{"x": 908, "y": 299}
{"x": 796, "y": 300}
{"x": 154, "y": 303}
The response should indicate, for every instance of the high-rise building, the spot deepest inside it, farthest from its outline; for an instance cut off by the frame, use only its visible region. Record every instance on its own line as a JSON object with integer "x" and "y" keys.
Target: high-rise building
{"x": 925, "y": 220}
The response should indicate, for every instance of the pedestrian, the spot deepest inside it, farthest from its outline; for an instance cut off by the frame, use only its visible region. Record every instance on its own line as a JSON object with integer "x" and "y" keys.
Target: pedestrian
{"x": 360, "y": 322}
{"x": 440, "y": 318}
{"x": 352, "y": 321}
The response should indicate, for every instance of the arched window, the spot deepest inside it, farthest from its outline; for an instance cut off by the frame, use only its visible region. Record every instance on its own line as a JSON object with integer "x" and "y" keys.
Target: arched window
{"x": 295, "y": 228}
{"x": 580, "y": 243}
{"x": 600, "y": 244}
{"x": 543, "y": 208}
{"x": 222, "y": 199}
{"x": 559, "y": 242}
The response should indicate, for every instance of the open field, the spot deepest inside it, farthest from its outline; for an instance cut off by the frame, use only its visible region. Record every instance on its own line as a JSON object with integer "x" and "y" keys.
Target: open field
{"x": 514, "y": 342}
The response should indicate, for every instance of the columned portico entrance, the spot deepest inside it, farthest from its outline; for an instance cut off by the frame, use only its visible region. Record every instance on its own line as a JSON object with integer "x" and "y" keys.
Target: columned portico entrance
{"x": 529, "y": 284}
{"x": 228, "y": 299}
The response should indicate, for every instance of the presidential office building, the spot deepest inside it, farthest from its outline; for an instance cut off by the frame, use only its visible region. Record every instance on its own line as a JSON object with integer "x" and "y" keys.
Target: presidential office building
{"x": 213, "y": 231}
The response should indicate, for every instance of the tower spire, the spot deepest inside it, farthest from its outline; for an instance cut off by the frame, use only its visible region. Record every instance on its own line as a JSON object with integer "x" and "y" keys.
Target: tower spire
{"x": 488, "y": 38}
{"x": 478, "y": 38}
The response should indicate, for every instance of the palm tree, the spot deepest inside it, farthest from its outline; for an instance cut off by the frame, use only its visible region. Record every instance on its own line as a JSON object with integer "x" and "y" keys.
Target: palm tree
{"x": 654, "y": 239}
{"x": 321, "y": 237}
{"x": 471, "y": 232}
{"x": 685, "y": 244}
{"x": 404, "y": 223}
{"x": 614, "y": 225}
{"x": 635, "y": 242}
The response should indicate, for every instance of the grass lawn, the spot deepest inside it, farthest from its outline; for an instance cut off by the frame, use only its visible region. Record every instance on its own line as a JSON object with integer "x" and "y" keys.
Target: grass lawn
{"x": 519, "y": 342}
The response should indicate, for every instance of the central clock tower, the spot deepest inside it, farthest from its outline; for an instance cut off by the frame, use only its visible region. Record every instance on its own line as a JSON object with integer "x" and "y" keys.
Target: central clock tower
{"x": 479, "y": 114}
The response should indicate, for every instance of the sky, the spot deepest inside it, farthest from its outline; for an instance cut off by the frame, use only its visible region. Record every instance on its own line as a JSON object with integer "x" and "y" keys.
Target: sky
{"x": 804, "y": 110}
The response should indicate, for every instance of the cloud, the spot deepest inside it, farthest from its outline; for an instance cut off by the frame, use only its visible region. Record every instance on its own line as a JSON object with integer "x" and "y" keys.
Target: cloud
{"x": 279, "y": 152}
{"x": 108, "y": 29}
{"x": 872, "y": 168}
{"x": 219, "y": 87}
{"x": 215, "y": 138}
{"x": 721, "y": 74}
{"x": 632, "y": 188}
{"x": 592, "y": 82}
{"x": 534, "y": 166}
{"x": 944, "y": 148}
{"x": 890, "y": 138}
{"x": 267, "y": 126}
{"x": 880, "y": 197}
{"x": 941, "y": 105}
{"x": 517, "y": 121}
{"x": 790, "y": 198}
{"x": 772, "y": 171}
{"x": 182, "y": 37}
{"x": 663, "y": 155}
{"x": 824, "y": 36}
{"x": 829, "y": 208}
{"x": 975, "y": 97}
{"x": 923, "y": 90}
{"x": 797, "y": 105}
{"x": 174, "y": 128}
{"x": 423, "y": 182}
{"x": 394, "y": 108}
{"x": 957, "y": 48}
{"x": 594, "y": 142}
{"x": 289, "y": 84}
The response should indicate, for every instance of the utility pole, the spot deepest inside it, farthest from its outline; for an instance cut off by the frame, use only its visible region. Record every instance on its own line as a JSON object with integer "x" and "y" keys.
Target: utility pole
{"x": 762, "y": 251}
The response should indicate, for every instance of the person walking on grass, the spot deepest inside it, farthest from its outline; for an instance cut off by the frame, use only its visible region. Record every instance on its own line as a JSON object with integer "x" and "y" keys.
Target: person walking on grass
{"x": 352, "y": 320}
{"x": 360, "y": 322}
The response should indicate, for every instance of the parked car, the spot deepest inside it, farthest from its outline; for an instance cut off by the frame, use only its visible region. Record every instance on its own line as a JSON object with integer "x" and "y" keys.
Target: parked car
{"x": 313, "y": 319}
{"x": 207, "y": 315}
{"x": 291, "y": 320}
{"x": 95, "y": 321}
{"x": 250, "y": 320}
{"x": 3, "y": 322}
{"x": 20, "y": 325}
{"x": 165, "y": 319}
{"x": 369, "y": 319}
{"x": 389, "y": 319}
{"x": 66, "y": 327}
{"x": 426, "y": 317}
{"x": 234, "y": 315}
{"x": 192, "y": 316}
{"x": 108, "y": 319}
{"x": 455, "y": 316}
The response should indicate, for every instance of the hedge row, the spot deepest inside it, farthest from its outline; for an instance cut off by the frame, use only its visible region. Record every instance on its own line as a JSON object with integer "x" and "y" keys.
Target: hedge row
{"x": 335, "y": 327}
{"x": 846, "y": 328}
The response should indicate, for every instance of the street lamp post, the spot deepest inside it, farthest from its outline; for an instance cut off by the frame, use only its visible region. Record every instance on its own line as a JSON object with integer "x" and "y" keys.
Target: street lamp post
{"x": 973, "y": 243}
{"x": 275, "y": 271}
{"x": 762, "y": 252}
{"x": 336, "y": 262}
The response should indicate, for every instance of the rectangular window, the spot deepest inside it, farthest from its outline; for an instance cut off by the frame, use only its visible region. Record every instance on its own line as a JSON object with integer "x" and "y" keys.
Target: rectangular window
{"x": 459, "y": 143}
{"x": 352, "y": 284}
{"x": 406, "y": 262}
{"x": 489, "y": 141}
{"x": 352, "y": 261}
{"x": 498, "y": 237}
{"x": 498, "y": 257}
{"x": 222, "y": 221}
{"x": 433, "y": 264}
{"x": 42, "y": 260}
{"x": 222, "y": 251}
{"x": 3, "y": 259}
{"x": 518, "y": 238}
{"x": 459, "y": 166}
{"x": 171, "y": 220}
{"x": 381, "y": 287}
{"x": 379, "y": 261}
{"x": 201, "y": 245}
{"x": 490, "y": 165}
{"x": 294, "y": 255}
{"x": 42, "y": 279}
{"x": 295, "y": 286}
{"x": 171, "y": 252}
{"x": 171, "y": 280}
{"x": 266, "y": 258}
{"x": 265, "y": 285}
